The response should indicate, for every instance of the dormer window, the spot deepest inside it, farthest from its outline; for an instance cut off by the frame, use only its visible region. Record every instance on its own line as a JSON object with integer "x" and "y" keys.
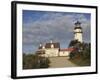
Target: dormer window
{"x": 40, "y": 45}
{"x": 52, "y": 46}
{"x": 43, "y": 47}
{"x": 51, "y": 41}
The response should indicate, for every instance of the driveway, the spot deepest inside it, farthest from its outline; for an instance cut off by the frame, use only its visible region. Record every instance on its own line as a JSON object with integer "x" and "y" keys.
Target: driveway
{"x": 58, "y": 62}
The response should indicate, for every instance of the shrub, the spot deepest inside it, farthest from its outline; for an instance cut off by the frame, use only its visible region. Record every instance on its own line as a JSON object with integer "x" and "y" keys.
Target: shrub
{"x": 34, "y": 61}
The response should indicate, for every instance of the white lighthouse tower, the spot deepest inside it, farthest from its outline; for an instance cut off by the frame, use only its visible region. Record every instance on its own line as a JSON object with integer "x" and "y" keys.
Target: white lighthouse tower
{"x": 78, "y": 32}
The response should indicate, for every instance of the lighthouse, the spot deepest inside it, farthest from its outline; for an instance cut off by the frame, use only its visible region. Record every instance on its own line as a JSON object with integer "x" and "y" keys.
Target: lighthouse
{"x": 78, "y": 32}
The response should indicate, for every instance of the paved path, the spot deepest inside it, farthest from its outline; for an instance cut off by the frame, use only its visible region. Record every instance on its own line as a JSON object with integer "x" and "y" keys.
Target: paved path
{"x": 57, "y": 62}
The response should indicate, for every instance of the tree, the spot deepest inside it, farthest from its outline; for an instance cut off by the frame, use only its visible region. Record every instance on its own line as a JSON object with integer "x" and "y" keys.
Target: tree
{"x": 73, "y": 43}
{"x": 77, "y": 46}
{"x": 81, "y": 49}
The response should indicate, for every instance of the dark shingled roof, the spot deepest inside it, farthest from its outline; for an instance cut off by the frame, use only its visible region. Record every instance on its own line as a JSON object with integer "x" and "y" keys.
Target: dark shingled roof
{"x": 56, "y": 45}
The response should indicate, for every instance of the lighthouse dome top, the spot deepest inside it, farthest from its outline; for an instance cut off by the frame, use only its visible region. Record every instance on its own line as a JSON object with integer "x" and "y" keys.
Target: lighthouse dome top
{"x": 78, "y": 25}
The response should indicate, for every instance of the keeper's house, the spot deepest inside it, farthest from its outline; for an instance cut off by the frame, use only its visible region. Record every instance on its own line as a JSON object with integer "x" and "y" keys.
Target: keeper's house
{"x": 52, "y": 49}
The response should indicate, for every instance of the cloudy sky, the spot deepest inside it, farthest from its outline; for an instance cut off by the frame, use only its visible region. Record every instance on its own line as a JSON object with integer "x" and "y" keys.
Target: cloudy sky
{"x": 42, "y": 26}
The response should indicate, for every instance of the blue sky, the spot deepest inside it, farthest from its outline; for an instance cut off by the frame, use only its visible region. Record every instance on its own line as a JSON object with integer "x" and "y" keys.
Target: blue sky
{"x": 41, "y": 27}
